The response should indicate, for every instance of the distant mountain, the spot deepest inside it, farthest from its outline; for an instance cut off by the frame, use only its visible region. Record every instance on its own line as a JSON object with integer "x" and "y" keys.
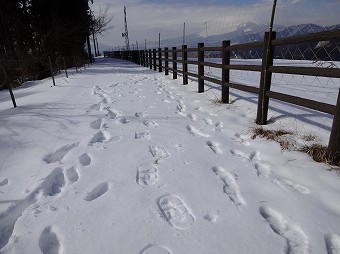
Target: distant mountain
{"x": 251, "y": 32}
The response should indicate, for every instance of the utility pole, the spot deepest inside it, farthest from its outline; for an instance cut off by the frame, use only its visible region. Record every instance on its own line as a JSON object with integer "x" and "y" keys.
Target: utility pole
{"x": 126, "y": 34}
{"x": 184, "y": 34}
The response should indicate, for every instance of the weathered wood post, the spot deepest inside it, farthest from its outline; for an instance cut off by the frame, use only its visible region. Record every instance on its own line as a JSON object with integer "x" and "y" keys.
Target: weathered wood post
{"x": 166, "y": 61}
{"x": 160, "y": 61}
{"x": 51, "y": 69}
{"x": 154, "y": 58}
{"x": 143, "y": 58}
{"x": 225, "y": 71}
{"x": 333, "y": 151}
{"x": 150, "y": 59}
{"x": 65, "y": 67}
{"x": 185, "y": 64}
{"x": 174, "y": 63}
{"x": 266, "y": 78}
{"x": 9, "y": 85}
{"x": 200, "y": 71}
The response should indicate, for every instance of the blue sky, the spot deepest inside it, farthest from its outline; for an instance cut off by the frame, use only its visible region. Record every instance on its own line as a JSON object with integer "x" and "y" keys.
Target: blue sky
{"x": 146, "y": 18}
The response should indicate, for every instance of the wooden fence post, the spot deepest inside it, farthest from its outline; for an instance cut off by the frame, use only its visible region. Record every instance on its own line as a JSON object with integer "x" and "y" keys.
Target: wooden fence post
{"x": 266, "y": 78}
{"x": 143, "y": 57}
{"x": 200, "y": 71}
{"x": 154, "y": 59}
{"x": 9, "y": 87}
{"x": 146, "y": 59}
{"x": 333, "y": 151}
{"x": 174, "y": 63}
{"x": 185, "y": 64}
{"x": 150, "y": 58}
{"x": 225, "y": 71}
{"x": 160, "y": 61}
{"x": 166, "y": 61}
{"x": 65, "y": 67}
{"x": 51, "y": 68}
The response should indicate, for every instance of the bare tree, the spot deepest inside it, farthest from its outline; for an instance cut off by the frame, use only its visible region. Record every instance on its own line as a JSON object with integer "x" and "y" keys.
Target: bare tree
{"x": 101, "y": 22}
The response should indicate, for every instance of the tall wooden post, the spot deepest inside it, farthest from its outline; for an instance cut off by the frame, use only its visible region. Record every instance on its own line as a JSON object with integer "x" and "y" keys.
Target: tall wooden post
{"x": 154, "y": 58}
{"x": 266, "y": 78}
{"x": 9, "y": 87}
{"x": 333, "y": 151}
{"x": 65, "y": 67}
{"x": 160, "y": 61}
{"x": 51, "y": 68}
{"x": 174, "y": 63}
{"x": 166, "y": 62}
{"x": 225, "y": 71}
{"x": 185, "y": 64}
{"x": 150, "y": 59}
{"x": 200, "y": 70}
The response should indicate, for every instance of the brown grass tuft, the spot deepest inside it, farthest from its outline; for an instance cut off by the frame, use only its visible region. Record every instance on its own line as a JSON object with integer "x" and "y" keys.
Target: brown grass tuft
{"x": 309, "y": 137}
{"x": 274, "y": 135}
{"x": 317, "y": 152}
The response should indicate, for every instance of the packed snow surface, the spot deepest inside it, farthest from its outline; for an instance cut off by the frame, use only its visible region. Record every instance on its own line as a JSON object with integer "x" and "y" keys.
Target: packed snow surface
{"x": 122, "y": 159}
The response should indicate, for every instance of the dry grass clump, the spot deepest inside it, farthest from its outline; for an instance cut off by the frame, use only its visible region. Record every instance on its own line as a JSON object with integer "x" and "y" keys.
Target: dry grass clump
{"x": 316, "y": 151}
{"x": 309, "y": 137}
{"x": 275, "y": 135}
{"x": 319, "y": 154}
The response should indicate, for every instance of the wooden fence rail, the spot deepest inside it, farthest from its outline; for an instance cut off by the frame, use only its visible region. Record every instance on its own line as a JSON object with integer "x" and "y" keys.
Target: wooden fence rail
{"x": 149, "y": 58}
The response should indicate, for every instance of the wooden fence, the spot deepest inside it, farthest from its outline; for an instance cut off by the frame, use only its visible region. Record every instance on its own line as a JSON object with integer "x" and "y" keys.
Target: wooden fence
{"x": 156, "y": 57}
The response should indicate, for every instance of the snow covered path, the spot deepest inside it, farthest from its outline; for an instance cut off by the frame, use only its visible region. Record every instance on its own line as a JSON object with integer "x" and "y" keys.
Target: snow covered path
{"x": 121, "y": 159}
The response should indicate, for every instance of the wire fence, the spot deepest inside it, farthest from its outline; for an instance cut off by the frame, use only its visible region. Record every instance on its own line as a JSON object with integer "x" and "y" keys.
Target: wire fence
{"x": 15, "y": 72}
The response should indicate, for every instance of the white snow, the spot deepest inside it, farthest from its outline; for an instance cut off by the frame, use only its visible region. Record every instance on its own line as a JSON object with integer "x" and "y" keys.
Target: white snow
{"x": 101, "y": 164}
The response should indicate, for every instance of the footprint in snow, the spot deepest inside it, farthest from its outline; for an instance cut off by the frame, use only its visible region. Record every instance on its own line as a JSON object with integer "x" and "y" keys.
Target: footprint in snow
{"x": 4, "y": 182}
{"x": 332, "y": 243}
{"x": 155, "y": 249}
{"x": 297, "y": 240}
{"x": 85, "y": 159}
{"x": 141, "y": 114}
{"x": 192, "y": 117}
{"x": 59, "y": 154}
{"x": 208, "y": 121}
{"x": 97, "y": 192}
{"x": 142, "y": 135}
{"x": 51, "y": 186}
{"x": 96, "y": 124}
{"x": 176, "y": 212}
{"x": 54, "y": 182}
{"x": 166, "y": 101}
{"x": 242, "y": 139}
{"x": 196, "y": 132}
{"x": 147, "y": 175}
{"x": 231, "y": 188}
{"x": 97, "y": 106}
{"x": 100, "y": 137}
{"x": 72, "y": 175}
{"x": 262, "y": 168}
{"x": 215, "y": 147}
{"x": 112, "y": 114}
{"x": 159, "y": 152}
{"x": 151, "y": 124}
{"x": 285, "y": 184}
{"x": 219, "y": 126}
{"x": 49, "y": 242}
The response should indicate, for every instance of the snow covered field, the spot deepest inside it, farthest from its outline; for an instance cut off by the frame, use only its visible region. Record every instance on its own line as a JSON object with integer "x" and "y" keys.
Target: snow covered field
{"x": 121, "y": 159}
